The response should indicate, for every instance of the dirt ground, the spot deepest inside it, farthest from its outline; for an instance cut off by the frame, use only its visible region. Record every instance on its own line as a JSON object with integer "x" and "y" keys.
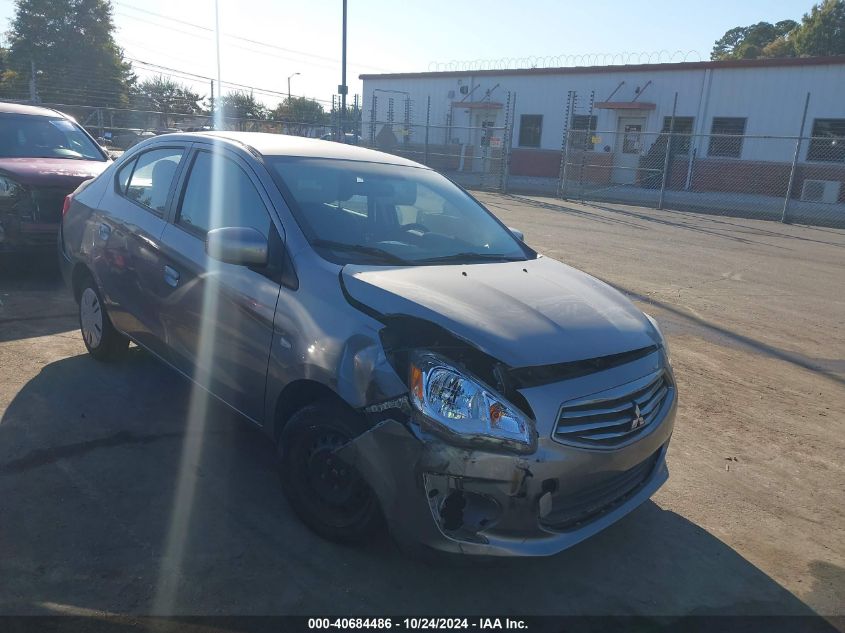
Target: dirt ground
{"x": 751, "y": 521}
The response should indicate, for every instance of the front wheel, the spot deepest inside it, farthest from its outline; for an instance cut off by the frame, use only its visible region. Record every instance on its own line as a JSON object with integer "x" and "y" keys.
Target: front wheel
{"x": 327, "y": 494}
{"x": 101, "y": 339}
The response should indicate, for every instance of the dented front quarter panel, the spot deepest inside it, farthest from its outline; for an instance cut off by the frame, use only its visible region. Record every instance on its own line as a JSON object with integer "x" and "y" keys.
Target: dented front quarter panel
{"x": 319, "y": 336}
{"x": 505, "y": 494}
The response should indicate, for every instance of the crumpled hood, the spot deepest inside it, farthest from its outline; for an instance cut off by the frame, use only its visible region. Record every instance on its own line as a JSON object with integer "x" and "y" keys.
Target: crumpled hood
{"x": 51, "y": 172}
{"x": 536, "y": 312}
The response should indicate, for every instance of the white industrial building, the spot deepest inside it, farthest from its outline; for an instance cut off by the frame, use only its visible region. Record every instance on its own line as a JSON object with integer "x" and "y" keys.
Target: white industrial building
{"x": 621, "y": 112}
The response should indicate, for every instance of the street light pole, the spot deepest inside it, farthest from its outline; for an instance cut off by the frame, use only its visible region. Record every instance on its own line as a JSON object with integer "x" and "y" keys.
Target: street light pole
{"x": 342, "y": 87}
{"x": 293, "y": 75}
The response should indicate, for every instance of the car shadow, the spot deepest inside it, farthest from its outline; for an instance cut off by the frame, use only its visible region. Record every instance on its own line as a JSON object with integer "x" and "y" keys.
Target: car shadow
{"x": 91, "y": 457}
{"x": 33, "y": 298}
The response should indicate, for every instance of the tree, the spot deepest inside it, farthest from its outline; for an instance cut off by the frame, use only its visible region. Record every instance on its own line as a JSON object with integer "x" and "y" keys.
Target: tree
{"x": 300, "y": 115}
{"x": 749, "y": 42}
{"x": 164, "y": 95}
{"x": 241, "y": 105}
{"x": 4, "y": 73}
{"x": 822, "y": 30}
{"x": 70, "y": 45}
{"x": 299, "y": 110}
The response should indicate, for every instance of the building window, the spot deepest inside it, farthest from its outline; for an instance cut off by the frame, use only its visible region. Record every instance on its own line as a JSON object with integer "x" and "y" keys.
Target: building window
{"x": 828, "y": 142}
{"x": 530, "y": 130}
{"x": 727, "y": 137}
{"x": 583, "y": 129}
{"x": 681, "y": 132}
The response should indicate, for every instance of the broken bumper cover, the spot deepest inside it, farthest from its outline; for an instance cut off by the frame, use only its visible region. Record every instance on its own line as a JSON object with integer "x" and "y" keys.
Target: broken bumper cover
{"x": 488, "y": 503}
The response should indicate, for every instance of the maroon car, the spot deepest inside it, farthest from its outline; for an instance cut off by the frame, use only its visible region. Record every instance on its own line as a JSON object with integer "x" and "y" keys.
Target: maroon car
{"x": 44, "y": 155}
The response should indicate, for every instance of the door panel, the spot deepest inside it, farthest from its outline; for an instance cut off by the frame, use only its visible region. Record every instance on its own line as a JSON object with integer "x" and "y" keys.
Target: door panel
{"x": 218, "y": 317}
{"x": 127, "y": 240}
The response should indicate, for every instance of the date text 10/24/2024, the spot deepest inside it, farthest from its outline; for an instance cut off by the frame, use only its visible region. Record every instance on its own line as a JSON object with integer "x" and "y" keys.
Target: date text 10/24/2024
{"x": 418, "y": 623}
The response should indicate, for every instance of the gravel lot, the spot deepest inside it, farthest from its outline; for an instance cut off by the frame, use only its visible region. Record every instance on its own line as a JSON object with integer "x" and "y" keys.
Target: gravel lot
{"x": 750, "y": 522}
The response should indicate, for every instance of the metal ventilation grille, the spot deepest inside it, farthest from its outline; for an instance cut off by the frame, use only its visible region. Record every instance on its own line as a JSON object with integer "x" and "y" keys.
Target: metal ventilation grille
{"x": 614, "y": 416}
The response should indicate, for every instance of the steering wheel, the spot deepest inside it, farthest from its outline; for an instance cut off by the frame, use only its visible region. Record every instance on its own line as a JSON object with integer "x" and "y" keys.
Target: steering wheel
{"x": 416, "y": 226}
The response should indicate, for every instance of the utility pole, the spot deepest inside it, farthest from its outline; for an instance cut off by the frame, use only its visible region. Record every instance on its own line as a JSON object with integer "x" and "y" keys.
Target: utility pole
{"x": 33, "y": 88}
{"x": 212, "y": 102}
{"x": 217, "y": 114}
{"x": 342, "y": 88}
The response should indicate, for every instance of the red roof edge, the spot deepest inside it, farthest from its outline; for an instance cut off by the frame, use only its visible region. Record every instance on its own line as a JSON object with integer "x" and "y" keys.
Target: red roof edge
{"x": 837, "y": 60}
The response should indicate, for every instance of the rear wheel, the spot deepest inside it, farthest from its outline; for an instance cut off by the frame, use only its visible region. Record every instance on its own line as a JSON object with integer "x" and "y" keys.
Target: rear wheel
{"x": 102, "y": 341}
{"x": 327, "y": 494}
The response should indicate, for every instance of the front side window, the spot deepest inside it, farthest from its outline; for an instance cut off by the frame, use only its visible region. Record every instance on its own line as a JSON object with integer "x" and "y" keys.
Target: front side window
{"x": 27, "y": 136}
{"x": 359, "y": 212}
{"x": 219, "y": 194}
{"x": 148, "y": 178}
{"x": 530, "y": 130}
{"x": 828, "y": 142}
{"x": 726, "y": 139}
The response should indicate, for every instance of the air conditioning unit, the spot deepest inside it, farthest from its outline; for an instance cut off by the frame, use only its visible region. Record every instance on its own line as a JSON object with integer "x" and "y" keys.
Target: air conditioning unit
{"x": 826, "y": 191}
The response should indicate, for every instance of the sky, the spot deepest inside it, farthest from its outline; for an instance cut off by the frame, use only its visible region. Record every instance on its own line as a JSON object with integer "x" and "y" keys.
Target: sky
{"x": 265, "y": 41}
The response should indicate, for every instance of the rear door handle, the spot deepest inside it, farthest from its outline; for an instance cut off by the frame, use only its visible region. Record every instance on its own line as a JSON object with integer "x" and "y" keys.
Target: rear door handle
{"x": 171, "y": 276}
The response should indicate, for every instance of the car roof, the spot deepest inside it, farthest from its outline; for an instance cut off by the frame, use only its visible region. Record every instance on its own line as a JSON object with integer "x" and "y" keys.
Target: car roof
{"x": 22, "y": 108}
{"x": 268, "y": 144}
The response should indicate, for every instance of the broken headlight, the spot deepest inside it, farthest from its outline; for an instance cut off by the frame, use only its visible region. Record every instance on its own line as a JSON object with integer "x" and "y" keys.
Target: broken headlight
{"x": 460, "y": 407}
{"x": 8, "y": 188}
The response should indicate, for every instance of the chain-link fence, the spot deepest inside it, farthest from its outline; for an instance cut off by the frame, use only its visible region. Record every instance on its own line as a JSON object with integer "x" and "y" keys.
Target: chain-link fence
{"x": 473, "y": 151}
{"x": 768, "y": 177}
{"x": 121, "y": 128}
{"x": 789, "y": 178}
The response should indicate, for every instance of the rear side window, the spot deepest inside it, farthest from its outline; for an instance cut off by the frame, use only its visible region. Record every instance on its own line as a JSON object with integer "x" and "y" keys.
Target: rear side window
{"x": 229, "y": 199}
{"x": 147, "y": 179}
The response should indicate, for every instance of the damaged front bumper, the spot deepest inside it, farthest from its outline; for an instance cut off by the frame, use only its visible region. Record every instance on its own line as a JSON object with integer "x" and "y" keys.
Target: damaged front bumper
{"x": 481, "y": 502}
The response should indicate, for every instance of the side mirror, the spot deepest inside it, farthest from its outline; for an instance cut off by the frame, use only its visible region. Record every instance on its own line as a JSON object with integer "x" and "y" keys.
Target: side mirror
{"x": 237, "y": 245}
{"x": 517, "y": 233}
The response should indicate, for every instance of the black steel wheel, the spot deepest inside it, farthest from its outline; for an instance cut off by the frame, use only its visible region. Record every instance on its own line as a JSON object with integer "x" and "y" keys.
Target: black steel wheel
{"x": 328, "y": 495}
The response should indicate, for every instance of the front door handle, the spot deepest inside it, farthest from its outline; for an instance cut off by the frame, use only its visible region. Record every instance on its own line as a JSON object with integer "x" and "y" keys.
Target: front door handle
{"x": 171, "y": 276}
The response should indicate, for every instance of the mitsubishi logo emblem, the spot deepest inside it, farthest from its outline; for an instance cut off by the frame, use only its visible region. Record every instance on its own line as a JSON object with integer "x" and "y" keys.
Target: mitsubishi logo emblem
{"x": 638, "y": 420}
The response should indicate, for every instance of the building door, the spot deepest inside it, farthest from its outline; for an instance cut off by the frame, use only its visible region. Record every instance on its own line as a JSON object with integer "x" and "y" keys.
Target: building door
{"x": 484, "y": 127}
{"x": 629, "y": 146}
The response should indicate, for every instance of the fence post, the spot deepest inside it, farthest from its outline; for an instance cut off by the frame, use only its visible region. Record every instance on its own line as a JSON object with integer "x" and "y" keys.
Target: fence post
{"x": 668, "y": 153}
{"x": 587, "y": 132}
{"x": 795, "y": 161}
{"x": 564, "y": 146}
{"x": 427, "y": 125}
{"x": 507, "y": 141}
{"x": 407, "y": 133}
{"x": 373, "y": 122}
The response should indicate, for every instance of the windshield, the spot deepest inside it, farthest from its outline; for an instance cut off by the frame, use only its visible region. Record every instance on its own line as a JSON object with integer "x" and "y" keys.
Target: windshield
{"x": 27, "y": 136}
{"x": 357, "y": 212}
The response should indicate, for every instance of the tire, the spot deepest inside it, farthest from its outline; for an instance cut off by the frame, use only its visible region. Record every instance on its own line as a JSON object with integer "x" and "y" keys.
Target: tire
{"x": 101, "y": 340}
{"x": 327, "y": 494}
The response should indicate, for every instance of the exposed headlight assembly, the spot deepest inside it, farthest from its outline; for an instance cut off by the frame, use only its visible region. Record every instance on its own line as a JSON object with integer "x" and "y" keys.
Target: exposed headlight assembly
{"x": 464, "y": 410}
{"x": 8, "y": 188}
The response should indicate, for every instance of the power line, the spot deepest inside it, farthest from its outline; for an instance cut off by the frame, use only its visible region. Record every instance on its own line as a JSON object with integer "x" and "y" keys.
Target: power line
{"x": 238, "y": 37}
{"x": 257, "y": 89}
